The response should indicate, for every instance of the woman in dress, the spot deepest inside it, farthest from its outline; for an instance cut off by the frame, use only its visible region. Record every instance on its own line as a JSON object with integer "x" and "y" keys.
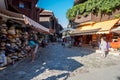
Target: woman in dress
{"x": 103, "y": 47}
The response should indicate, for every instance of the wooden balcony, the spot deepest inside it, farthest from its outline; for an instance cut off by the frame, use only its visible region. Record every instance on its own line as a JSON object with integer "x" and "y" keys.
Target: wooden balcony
{"x": 81, "y": 19}
{"x": 96, "y": 18}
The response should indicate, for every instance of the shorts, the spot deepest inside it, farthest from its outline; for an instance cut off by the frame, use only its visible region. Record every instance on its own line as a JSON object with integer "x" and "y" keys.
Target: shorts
{"x": 35, "y": 49}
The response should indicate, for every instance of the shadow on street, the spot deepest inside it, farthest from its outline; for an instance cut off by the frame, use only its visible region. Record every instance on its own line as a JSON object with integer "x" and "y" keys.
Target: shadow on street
{"x": 54, "y": 57}
{"x": 118, "y": 78}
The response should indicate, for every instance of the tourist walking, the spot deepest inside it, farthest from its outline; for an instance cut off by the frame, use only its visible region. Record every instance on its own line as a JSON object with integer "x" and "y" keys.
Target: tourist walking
{"x": 34, "y": 46}
{"x": 103, "y": 47}
{"x": 63, "y": 42}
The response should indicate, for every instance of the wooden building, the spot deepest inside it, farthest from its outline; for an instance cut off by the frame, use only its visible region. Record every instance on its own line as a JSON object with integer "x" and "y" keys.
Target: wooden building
{"x": 26, "y": 7}
{"x": 93, "y": 26}
{"x": 78, "y": 1}
{"x": 24, "y": 12}
{"x": 48, "y": 19}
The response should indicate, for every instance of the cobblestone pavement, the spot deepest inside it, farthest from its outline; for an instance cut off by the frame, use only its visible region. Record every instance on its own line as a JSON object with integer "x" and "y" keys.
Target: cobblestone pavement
{"x": 107, "y": 73}
{"x": 58, "y": 63}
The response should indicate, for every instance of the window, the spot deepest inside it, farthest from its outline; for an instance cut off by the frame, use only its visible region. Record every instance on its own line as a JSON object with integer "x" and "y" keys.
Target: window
{"x": 21, "y": 5}
{"x": 29, "y": 5}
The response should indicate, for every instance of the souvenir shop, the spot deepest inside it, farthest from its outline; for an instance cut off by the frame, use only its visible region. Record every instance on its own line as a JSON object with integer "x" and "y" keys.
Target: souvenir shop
{"x": 14, "y": 36}
{"x": 90, "y": 33}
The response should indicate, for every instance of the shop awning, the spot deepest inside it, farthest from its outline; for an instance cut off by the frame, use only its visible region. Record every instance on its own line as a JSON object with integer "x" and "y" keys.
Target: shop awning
{"x": 95, "y": 28}
{"x": 116, "y": 30}
{"x": 34, "y": 25}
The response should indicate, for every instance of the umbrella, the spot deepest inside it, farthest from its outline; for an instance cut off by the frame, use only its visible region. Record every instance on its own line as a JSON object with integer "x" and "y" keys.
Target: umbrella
{"x": 116, "y": 30}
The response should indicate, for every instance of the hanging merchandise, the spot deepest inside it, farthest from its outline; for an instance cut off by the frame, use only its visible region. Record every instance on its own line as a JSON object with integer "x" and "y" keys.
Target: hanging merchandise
{"x": 3, "y": 59}
{"x": 14, "y": 42}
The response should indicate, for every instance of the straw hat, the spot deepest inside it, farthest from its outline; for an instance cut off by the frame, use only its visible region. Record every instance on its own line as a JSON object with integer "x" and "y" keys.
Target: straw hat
{"x": 12, "y": 32}
{"x": 13, "y": 45}
{"x": 3, "y": 31}
{"x": 2, "y": 47}
{"x": 12, "y": 28}
{"x": 9, "y": 60}
{"x": 20, "y": 54}
{"x": 26, "y": 33}
{"x": 25, "y": 36}
{"x": 2, "y": 44}
{"x": 16, "y": 53}
{"x": 17, "y": 31}
{"x": 12, "y": 40}
{"x": 10, "y": 37}
{"x": 17, "y": 36}
{"x": 4, "y": 26}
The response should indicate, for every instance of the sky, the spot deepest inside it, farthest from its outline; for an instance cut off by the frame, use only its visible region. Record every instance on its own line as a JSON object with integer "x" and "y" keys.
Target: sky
{"x": 59, "y": 7}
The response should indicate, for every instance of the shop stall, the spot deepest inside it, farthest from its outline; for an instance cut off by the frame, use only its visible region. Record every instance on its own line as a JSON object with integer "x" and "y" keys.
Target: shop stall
{"x": 15, "y": 32}
{"x": 91, "y": 32}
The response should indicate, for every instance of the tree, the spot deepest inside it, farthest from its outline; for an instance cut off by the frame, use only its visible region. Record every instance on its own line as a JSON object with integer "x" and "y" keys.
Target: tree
{"x": 93, "y": 6}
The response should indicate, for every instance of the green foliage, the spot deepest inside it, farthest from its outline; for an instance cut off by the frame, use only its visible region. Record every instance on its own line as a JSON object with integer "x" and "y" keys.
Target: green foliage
{"x": 94, "y": 6}
{"x": 117, "y": 16}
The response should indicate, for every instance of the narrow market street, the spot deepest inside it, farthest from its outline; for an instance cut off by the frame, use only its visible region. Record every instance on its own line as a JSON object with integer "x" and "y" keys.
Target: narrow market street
{"x": 60, "y": 40}
{"x": 58, "y": 63}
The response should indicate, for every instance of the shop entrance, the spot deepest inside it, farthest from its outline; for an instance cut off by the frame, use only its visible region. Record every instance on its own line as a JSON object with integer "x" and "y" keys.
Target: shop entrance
{"x": 88, "y": 38}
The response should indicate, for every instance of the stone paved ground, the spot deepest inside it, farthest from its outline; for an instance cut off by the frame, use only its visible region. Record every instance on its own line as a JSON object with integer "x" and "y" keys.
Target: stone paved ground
{"x": 107, "y": 73}
{"x": 58, "y": 63}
